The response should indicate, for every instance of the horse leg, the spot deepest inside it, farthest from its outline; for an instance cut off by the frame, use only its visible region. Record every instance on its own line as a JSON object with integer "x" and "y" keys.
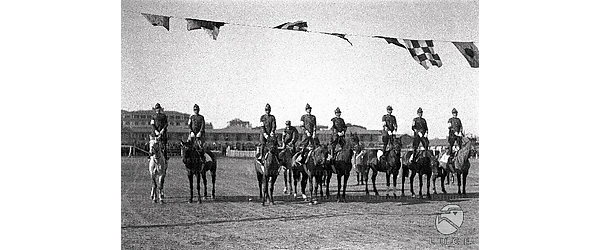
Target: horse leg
{"x": 464, "y": 182}
{"x": 412, "y": 178}
{"x": 153, "y": 194}
{"x": 346, "y": 176}
{"x": 339, "y": 185}
{"x": 213, "y": 176}
{"x": 428, "y": 181}
{"x": 273, "y": 179}
{"x": 395, "y": 176}
{"x": 367, "y": 184}
{"x": 387, "y": 183}
{"x": 310, "y": 188}
{"x": 435, "y": 176}
{"x": 357, "y": 178}
{"x": 285, "y": 181}
{"x": 420, "y": 186}
{"x": 303, "y": 183}
{"x": 265, "y": 187}
{"x": 446, "y": 173}
{"x": 197, "y": 174}
{"x": 259, "y": 178}
{"x": 191, "y": 179}
{"x": 205, "y": 184}
{"x": 373, "y": 179}
{"x": 403, "y": 176}
{"x": 161, "y": 181}
{"x": 458, "y": 175}
{"x": 329, "y": 174}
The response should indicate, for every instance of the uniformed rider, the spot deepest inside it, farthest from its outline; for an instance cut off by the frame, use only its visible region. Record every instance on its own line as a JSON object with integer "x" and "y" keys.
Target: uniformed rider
{"x": 389, "y": 127}
{"x": 197, "y": 131}
{"x": 455, "y": 131}
{"x": 309, "y": 127}
{"x": 420, "y": 130}
{"x": 160, "y": 123}
{"x": 269, "y": 126}
{"x": 338, "y": 131}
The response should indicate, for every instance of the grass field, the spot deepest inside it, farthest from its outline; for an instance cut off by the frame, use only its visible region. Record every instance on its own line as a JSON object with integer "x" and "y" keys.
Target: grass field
{"x": 231, "y": 221}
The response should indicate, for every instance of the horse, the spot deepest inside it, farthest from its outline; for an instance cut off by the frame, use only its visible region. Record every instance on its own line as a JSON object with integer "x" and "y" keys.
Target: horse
{"x": 365, "y": 160}
{"x": 360, "y": 178}
{"x": 286, "y": 160}
{"x": 422, "y": 166}
{"x": 438, "y": 170}
{"x": 313, "y": 168}
{"x": 341, "y": 165}
{"x": 157, "y": 166}
{"x": 267, "y": 171}
{"x": 390, "y": 163}
{"x": 462, "y": 165}
{"x": 195, "y": 166}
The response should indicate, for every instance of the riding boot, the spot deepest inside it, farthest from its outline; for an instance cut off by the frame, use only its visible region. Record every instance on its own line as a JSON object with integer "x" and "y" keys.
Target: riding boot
{"x": 414, "y": 156}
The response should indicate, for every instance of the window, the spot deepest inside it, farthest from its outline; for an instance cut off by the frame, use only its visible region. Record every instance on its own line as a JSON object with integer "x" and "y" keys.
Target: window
{"x": 126, "y": 123}
{"x": 136, "y": 116}
{"x": 136, "y": 123}
{"x": 178, "y": 117}
{"x": 178, "y": 123}
{"x": 171, "y": 123}
{"x": 143, "y": 116}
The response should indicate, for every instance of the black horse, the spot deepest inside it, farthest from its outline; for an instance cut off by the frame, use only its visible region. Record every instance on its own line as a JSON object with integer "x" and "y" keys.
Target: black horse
{"x": 422, "y": 166}
{"x": 267, "y": 171}
{"x": 196, "y": 166}
{"x": 341, "y": 165}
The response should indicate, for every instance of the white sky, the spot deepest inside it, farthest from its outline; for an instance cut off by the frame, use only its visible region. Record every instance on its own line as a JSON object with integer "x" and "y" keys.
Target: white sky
{"x": 236, "y": 75}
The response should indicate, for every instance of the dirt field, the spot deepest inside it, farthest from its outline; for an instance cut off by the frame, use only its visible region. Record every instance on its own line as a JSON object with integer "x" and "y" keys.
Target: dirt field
{"x": 231, "y": 221}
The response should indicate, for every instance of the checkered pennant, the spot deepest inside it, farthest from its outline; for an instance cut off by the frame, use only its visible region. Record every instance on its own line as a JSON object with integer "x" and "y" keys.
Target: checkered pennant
{"x": 422, "y": 52}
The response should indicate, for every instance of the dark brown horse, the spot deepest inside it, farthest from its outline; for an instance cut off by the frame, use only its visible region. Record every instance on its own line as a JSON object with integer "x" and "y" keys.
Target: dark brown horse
{"x": 314, "y": 168}
{"x": 267, "y": 171}
{"x": 422, "y": 166}
{"x": 286, "y": 160}
{"x": 341, "y": 165}
{"x": 462, "y": 165}
{"x": 195, "y": 166}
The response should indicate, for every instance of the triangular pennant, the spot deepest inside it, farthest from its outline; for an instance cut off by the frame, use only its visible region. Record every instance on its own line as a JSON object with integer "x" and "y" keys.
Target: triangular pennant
{"x": 157, "y": 20}
{"x": 210, "y": 26}
{"x": 342, "y": 36}
{"x": 298, "y": 25}
{"x": 391, "y": 40}
{"x": 469, "y": 51}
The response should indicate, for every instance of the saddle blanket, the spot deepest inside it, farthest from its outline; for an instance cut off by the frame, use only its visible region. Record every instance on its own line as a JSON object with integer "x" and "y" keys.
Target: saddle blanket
{"x": 379, "y": 154}
{"x": 444, "y": 158}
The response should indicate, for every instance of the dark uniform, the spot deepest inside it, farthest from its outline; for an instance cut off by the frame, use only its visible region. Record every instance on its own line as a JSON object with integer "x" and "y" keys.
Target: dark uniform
{"x": 196, "y": 125}
{"x": 268, "y": 127}
{"x": 159, "y": 123}
{"x": 290, "y": 136}
{"x": 309, "y": 128}
{"x": 339, "y": 126}
{"x": 455, "y": 127}
{"x": 389, "y": 124}
{"x": 419, "y": 125}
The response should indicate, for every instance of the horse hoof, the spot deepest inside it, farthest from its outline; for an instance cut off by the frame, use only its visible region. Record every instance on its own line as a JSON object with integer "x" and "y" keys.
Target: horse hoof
{"x": 155, "y": 201}
{"x": 444, "y": 191}
{"x": 414, "y": 196}
{"x": 190, "y": 201}
{"x": 162, "y": 202}
{"x": 272, "y": 203}
{"x": 315, "y": 202}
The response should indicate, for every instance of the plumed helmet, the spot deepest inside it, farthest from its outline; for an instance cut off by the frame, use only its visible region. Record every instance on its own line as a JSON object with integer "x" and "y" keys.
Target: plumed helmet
{"x": 337, "y": 110}
{"x": 268, "y": 107}
{"x": 157, "y": 106}
{"x": 307, "y": 106}
{"x": 389, "y": 108}
{"x": 196, "y": 107}
{"x": 288, "y": 122}
{"x": 454, "y": 111}
{"x": 420, "y": 110}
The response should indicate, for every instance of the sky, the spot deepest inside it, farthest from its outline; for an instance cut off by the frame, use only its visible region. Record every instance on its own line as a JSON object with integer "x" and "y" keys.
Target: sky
{"x": 247, "y": 67}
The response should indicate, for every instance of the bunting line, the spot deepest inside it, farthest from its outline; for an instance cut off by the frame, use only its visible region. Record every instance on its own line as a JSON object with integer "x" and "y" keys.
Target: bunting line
{"x": 421, "y": 50}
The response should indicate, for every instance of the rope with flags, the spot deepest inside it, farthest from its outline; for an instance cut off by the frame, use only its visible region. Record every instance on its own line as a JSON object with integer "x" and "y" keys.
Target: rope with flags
{"x": 421, "y": 51}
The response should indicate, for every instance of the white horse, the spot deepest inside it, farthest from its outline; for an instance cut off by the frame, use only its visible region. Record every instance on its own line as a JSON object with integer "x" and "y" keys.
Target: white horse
{"x": 158, "y": 169}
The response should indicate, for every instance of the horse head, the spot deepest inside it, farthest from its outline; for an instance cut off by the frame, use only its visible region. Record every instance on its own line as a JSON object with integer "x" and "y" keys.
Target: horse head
{"x": 155, "y": 146}
{"x": 320, "y": 155}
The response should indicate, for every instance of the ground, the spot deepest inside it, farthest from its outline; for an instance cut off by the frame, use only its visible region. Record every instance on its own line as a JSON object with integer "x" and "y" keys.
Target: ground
{"x": 231, "y": 221}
